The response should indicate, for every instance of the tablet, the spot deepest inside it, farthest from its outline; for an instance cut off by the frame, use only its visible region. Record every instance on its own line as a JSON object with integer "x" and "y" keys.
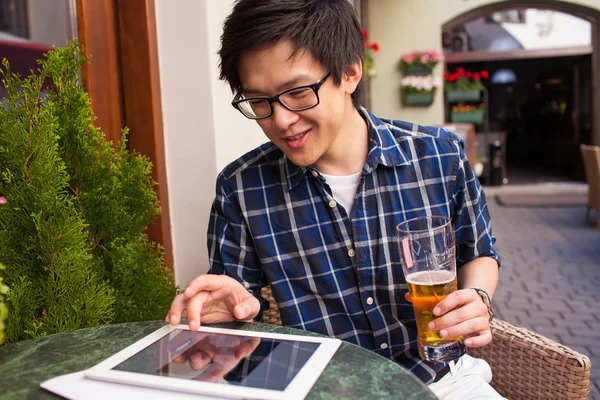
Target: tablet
{"x": 221, "y": 362}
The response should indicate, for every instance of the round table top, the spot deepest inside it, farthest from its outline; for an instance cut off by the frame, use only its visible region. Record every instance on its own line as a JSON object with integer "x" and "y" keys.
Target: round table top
{"x": 353, "y": 373}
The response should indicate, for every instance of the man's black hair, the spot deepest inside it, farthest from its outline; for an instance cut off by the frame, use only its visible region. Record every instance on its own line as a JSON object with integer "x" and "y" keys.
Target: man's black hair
{"x": 328, "y": 29}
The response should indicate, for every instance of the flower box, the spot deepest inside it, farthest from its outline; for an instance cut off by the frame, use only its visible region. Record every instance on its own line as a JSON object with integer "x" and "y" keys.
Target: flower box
{"x": 418, "y": 63}
{"x": 474, "y": 116}
{"x": 418, "y": 99}
{"x": 463, "y": 95}
{"x": 417, "y": 70}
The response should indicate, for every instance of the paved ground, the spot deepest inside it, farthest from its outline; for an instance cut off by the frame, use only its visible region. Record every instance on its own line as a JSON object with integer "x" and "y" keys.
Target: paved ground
{"x": 551, "y": 271}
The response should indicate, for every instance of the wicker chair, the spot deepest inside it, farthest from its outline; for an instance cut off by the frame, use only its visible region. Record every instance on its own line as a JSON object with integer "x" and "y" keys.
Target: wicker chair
{"x": 591, "y": 159}
{"x": 525, "y": 365}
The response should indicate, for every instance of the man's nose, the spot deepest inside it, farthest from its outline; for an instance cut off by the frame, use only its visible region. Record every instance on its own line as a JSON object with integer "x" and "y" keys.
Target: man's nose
{"x": 282, "y": 117}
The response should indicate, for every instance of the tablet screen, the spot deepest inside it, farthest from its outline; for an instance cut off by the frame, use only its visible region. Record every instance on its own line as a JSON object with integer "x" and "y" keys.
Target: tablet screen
{"x": 223, "y": 358}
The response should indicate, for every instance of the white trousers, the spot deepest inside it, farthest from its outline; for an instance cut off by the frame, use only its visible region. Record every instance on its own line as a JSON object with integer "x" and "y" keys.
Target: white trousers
{"x": 468, "y": 379}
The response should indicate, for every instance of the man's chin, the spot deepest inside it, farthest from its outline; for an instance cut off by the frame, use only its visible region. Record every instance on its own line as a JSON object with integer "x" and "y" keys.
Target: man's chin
{"x": 301, "y": 161}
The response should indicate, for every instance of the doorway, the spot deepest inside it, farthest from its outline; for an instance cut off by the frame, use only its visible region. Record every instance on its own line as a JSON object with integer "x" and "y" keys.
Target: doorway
{"x": 540, "y": 94}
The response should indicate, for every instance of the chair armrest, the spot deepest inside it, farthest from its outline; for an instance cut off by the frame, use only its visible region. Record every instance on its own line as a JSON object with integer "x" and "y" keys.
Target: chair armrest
{"x": 270, "y": 316}
{"x": 527, "y": 365}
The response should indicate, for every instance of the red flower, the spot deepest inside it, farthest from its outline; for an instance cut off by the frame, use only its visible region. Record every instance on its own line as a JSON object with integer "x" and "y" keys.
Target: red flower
{"x": 469, "y": 74}
{"x": 365, "y": 34}
{"x": 460, "y": 71}
{"x": 476, "y": 76}
{"x": 375, "y": 46}
{"x": 485, "y": 74}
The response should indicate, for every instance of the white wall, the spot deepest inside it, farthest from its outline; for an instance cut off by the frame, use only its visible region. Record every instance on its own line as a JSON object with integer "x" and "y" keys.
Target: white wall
{"x": 203, "y": 133}
{"x": 234, "y": 134}
{"x": 567, "y": 30}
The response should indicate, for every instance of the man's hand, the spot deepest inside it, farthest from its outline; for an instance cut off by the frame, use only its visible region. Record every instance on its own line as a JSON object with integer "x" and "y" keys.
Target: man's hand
{"x": 211, "y": 299}
{"x": 462, "y": 313}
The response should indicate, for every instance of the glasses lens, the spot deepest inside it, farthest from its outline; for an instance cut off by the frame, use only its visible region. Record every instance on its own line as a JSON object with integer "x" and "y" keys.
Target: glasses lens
{"x": 299, "y": 99}
{"x": 255, "y": 108}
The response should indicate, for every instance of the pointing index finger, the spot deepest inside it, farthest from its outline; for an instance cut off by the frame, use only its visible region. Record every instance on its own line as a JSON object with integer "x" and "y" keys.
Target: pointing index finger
{"x": 204, "y": 282}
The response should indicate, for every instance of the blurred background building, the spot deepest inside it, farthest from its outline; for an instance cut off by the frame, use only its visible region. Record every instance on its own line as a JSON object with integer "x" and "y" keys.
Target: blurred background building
{"x": 541, "y": 96}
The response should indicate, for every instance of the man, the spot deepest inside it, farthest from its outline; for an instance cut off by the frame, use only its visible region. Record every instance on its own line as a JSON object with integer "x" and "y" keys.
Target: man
{"x": 313, "y": 212}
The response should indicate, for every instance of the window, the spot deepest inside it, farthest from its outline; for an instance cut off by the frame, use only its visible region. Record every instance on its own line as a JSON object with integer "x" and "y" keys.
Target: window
{"x": 507, "y": 16}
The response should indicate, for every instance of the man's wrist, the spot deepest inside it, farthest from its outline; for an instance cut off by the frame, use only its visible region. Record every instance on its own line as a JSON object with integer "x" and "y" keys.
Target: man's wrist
{"x": 485, "y": 298}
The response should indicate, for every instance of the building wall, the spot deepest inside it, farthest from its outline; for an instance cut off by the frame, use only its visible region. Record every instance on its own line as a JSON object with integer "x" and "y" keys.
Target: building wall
{"x": 404, "y": 26}
{"x": 202, "y": 131}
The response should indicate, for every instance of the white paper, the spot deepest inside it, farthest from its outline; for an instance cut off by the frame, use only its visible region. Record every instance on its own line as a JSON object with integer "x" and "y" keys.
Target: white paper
{"x": 76, "y": 386}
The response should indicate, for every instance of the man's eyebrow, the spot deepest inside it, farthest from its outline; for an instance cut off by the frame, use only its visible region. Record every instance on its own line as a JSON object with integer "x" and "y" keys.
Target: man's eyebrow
{"x": 289, "y": 84}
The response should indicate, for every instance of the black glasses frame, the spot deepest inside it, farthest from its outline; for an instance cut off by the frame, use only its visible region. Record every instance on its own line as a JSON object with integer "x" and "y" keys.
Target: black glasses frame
{"x": 275, "y": 99}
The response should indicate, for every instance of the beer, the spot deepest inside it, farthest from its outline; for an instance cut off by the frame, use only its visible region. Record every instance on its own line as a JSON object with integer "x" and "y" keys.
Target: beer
{"x": 426, "y": 290}
{"x": 427, "y": 256}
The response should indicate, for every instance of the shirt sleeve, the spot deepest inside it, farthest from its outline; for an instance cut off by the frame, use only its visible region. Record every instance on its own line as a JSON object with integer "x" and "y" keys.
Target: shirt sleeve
{"x": 230, "y": 247}
{"x": 472, "y": 222}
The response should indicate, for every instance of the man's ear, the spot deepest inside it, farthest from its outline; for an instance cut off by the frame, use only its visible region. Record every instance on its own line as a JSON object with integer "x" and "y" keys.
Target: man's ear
{"x": 352, "y": 76}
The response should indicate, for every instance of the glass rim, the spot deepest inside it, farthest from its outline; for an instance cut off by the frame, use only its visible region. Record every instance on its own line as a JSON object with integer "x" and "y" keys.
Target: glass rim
{"x": 446, "y": 220}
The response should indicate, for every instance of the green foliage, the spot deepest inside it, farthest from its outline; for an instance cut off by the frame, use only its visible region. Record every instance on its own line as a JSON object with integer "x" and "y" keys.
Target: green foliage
{"x": 464, "y": 84}
{"x": 3, "y": 309}
{"x": 72, "y": 230}
{"x": 465, "y": 80}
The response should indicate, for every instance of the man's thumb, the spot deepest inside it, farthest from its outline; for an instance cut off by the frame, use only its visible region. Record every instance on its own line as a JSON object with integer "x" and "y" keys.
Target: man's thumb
{"x": 247, "y": 309}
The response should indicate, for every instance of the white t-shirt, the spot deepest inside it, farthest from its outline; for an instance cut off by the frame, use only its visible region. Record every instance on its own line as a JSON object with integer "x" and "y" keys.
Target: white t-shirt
{"x": 344, "y": 188}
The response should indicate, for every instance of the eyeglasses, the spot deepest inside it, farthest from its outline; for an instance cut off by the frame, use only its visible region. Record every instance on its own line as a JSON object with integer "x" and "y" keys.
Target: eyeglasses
{"x": 299, "y": 98}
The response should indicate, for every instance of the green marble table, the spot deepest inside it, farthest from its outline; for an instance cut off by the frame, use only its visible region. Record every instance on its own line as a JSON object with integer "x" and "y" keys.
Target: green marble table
{"x": 353, "y": 373}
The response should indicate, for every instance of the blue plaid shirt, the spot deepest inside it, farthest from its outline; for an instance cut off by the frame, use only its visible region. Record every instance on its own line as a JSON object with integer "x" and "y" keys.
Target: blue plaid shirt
{"x": 338, "y": 273}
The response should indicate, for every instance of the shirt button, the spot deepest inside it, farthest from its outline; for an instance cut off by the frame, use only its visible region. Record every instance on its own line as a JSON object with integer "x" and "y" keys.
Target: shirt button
{"x": 351, "y": 253}
{"x": 314, "y": 173}
{"x": 370, "y": 301}
{"x": 332, "y": 203}
{"x": 383, "y": 346}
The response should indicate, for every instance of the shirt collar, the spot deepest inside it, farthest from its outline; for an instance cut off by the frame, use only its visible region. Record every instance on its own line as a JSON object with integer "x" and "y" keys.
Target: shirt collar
{"x": 384, "y": 149}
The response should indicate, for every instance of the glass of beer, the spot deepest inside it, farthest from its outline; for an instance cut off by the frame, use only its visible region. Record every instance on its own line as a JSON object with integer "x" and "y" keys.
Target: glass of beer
{"x": 427, "y": 253}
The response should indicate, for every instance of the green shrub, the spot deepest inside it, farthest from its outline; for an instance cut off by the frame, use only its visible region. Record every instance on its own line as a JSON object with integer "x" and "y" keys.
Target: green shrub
{"x": 77, "y": 206}
{"x": 3, "y": 309}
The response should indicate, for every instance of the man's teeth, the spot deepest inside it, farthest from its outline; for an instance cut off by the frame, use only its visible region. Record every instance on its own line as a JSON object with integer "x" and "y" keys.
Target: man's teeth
{"x": 298, "y": 136}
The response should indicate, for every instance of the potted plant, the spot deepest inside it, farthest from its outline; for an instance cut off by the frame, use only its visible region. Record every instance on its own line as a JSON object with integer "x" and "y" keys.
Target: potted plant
{"x": 369, "y": 49}
{"x": 74, "y": 212}
{"x": 467, "y": 113}
{"x": 419, "y": 90}
{"x": 420, "y": 62}
{"x": 464, "y": 85}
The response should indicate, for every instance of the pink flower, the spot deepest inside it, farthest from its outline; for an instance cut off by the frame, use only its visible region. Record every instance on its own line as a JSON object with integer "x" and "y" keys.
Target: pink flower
{"x": 3, "y": 200}
{"x": 421, "y": 83}
{"x": 429, "y": 57}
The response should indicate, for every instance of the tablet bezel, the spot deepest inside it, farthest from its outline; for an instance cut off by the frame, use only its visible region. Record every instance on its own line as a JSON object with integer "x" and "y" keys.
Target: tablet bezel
{"x": 298, "y": 388}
